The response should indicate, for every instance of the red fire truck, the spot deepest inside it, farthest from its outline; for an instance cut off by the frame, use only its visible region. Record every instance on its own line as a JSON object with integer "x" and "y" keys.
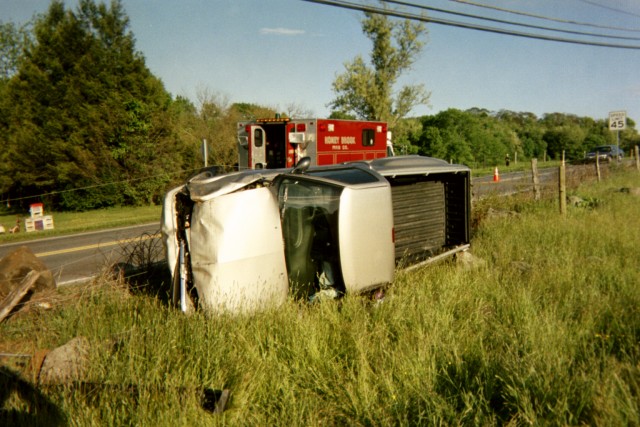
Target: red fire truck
{"x": 281, "y": 142}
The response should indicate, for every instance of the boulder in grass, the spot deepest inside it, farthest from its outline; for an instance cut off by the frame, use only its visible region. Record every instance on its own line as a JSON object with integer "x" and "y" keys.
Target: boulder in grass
{"x": 66, "y": 363}
{"x": 16, "y": 265}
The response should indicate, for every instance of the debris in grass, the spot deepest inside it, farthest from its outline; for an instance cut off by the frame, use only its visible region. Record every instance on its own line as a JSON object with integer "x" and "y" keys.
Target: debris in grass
{"x": 468, "y": 261}
{"x": 21, "y": 275}
{"x": 17, "y": 294}
{"x": 579, "y": 202}
{"x": 634, "y": 191}
{"x": 522, "y": 267}
{"x": 500, "y": 213}
{"x": 214, "y": 400}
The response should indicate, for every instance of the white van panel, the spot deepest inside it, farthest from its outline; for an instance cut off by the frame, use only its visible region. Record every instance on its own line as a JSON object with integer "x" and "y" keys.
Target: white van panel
{"x": 366, "y": 238}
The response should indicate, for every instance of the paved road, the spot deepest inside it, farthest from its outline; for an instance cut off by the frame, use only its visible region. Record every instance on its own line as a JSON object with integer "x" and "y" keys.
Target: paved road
{"x": 79, "y": 257}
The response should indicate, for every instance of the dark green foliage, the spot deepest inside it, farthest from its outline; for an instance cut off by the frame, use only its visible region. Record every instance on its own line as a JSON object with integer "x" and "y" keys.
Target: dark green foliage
{"x": 12, "y": 42}
{"x": 469, "y": 137}
{"x": 481, "y": 138}
{"x": 84, "y": 111}
{"x": 339, "y": 115}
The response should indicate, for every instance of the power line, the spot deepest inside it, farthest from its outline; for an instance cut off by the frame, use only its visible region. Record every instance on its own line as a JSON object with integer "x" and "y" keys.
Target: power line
{"x": 532, "y": 15}
{"x": 502, "y": 21}
{"x": 625, "y": 12}
{"x": 459, "y": 24}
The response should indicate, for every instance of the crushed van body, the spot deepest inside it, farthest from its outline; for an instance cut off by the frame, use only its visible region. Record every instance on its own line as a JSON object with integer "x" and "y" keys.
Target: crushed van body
{"x": 247, "y": 241}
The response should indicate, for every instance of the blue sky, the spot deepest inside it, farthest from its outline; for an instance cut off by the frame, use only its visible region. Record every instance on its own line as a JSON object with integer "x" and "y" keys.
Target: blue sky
{"x": 283, "y": 52}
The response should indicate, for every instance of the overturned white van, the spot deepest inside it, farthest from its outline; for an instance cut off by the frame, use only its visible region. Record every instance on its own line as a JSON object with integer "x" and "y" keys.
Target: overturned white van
{"x": 245, "y": 241}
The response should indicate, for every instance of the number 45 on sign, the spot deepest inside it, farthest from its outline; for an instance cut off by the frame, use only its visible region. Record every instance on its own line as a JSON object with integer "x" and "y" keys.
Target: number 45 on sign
{"x": 617, "y": 120}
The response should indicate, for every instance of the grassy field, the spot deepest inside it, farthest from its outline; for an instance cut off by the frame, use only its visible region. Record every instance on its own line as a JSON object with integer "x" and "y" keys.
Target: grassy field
{"x": 543, "y": 329}
{"x": 74, "y": 222}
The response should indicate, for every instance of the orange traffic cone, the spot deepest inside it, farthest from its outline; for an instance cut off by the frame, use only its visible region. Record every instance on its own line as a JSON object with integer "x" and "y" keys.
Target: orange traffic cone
{"x": 496, "y": 175}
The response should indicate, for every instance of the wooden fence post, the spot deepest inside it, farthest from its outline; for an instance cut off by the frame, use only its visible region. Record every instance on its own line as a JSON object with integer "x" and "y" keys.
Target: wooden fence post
{"x": 562, "y": 187}
{"x": 598, "y": 167}
{"x": 536, "y": 179}
{"x": 637, "y": 160}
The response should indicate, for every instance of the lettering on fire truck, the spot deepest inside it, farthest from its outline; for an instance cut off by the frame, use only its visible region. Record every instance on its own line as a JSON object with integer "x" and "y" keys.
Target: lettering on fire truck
{"x": 345, "y": 140}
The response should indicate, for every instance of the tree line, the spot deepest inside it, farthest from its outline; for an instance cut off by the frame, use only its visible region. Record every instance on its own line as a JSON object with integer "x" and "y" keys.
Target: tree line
{"x": 85, "y": 124}
{"x": 479, "y": 138}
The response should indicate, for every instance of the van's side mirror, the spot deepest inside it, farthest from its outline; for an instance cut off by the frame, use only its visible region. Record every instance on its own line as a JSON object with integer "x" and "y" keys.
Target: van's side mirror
{"x": 302, "y": 165}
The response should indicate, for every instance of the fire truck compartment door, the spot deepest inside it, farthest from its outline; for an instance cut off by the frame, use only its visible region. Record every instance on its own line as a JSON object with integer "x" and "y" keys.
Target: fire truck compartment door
{"x": 237, "y": 252}
{"x": 258, "y": 152}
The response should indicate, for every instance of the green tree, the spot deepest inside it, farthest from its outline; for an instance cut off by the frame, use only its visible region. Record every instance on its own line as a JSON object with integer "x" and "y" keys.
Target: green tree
{"x": 629, "y": 137}
{"x": 404, "y": 133}
{"x": 13, "y": 40}
{"x": 565, "y": 133}
{"x": 216, "y": 121}
{"x": 528, "y": 131}
{"x": 367, "y": 90}
{"x": 12, "y": 43}
{"x": 444, "y": 136}
{"x": 473, "y": 137}
{"x": 341, "y": 115}
{"x": 565, "y": 139}
{"x": 84, "y": 111}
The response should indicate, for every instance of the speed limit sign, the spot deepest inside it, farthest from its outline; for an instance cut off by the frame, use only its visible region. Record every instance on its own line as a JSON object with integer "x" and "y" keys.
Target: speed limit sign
{"x": 617, "y": 120}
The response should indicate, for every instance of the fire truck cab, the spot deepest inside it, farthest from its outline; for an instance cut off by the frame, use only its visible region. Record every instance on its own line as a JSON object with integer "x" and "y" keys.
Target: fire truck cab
{"x": 282, "y": 142}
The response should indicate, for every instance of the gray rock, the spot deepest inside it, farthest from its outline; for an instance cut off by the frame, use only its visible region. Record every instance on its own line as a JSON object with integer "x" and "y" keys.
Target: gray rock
{"x": 66, "y": 363}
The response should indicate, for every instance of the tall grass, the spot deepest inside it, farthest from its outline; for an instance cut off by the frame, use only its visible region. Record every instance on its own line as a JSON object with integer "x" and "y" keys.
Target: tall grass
{"x": 545, "y": 332}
